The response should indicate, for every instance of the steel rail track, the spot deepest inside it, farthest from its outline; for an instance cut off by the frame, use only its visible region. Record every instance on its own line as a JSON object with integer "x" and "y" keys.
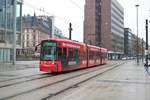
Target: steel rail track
{"x": 21, "y": 77}
{"x": 23, "y": 81}
{"x": 44, "y": 86}
{"x": 69, "y": 87}
{"x": 27, "y": 79}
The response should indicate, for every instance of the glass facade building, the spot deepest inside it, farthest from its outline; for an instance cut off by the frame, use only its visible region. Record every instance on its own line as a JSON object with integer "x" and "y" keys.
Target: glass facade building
{"x": 130, "y": 43}
{"x": 6, "y": 28}
{"x": 117, "y": 29}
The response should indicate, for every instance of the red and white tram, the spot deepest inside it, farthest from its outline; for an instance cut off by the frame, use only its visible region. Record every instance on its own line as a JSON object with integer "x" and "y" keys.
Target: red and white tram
{"x": 59, "y": 55}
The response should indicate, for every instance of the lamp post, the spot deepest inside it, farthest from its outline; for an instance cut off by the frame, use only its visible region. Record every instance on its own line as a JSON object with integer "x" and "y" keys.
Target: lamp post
{"x": 70, "y": 30}
{"x": 14, "y": 31}
{"x": 5, "y": 33}
{"x": 142, "y": 50}
{"x": 146, "y": 51}
{"x": 137, "y": 35}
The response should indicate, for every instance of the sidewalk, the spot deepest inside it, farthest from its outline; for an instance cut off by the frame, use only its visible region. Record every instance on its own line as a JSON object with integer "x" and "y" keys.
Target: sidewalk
{"x": 20, "y": 65}
{"x": 127, "y": 82}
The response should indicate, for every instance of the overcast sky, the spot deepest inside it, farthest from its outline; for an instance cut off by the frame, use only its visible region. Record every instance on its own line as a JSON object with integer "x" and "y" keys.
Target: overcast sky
{"x": 66, "y": 11}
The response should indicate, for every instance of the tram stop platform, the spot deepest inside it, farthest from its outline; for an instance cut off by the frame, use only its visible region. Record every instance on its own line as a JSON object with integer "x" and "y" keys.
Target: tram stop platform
{"x": 126, "y": 82}
{"x": 20, "y": 69}
{"x": 20, "y": 65}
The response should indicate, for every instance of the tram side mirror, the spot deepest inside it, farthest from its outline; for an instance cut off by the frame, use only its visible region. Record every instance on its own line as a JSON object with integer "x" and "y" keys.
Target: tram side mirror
{"x": 35, "y": 49}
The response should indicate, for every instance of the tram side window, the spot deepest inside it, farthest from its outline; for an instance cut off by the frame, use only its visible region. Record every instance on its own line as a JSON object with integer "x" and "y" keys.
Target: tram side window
{"x": 100, "y": 55}
{"x": 97, "y": 55}
{"x": 105, "y": 55}
{"x": 82, "y": 55}
{"x": 73, "y": 54}
{"x": 91, "y": 55}
{"x": 70, "y": 53}
{"x": 59, "y": 50}
{"x": 64, "y": 54}
{"x": 76, "y": 55}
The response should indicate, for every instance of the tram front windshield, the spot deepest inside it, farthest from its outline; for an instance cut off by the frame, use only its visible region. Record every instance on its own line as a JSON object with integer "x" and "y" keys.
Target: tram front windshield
{"x": 48, "y": 51}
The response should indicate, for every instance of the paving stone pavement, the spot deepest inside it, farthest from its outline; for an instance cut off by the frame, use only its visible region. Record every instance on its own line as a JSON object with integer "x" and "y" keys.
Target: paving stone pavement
{"x": 20, "y": 65}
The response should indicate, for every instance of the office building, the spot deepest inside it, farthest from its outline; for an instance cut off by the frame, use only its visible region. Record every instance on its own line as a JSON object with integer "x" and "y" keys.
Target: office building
{"x": 130, "y": 43}
{"x": 104, "y": 26}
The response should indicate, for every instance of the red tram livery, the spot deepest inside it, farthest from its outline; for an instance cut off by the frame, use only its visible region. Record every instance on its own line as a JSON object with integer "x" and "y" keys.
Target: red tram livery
{"x": 59, "y": 55}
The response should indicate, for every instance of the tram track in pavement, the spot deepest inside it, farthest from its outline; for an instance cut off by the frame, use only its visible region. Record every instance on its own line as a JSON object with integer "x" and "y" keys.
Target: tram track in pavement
{"x": 60, "y": 81}
{"x": 24, "y": 79}
{"x": 78, "y": 83}
{"x": 20, "y": 80}
{"x": 20, "y": 77}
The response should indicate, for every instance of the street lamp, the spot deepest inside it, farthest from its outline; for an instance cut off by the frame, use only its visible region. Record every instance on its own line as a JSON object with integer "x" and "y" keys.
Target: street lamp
{"x": 14, "y": 31}
{"x": 137, "y": 35}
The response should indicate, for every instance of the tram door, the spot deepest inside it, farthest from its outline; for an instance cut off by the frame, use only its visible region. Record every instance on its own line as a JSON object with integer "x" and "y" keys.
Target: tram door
{"x": 69, "y": 57}
{"x": 62, "y": 56}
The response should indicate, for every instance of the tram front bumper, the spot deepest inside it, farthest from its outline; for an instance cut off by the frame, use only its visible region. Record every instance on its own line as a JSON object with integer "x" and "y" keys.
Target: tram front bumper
{"x": 48, "y": 68}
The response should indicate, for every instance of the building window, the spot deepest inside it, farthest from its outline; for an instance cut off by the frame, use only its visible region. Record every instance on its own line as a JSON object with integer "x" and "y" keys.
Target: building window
{"x": 27, "y": 43}
{"x": 31, "y": 30}
{"x": 23, "y": 44}
{"x": 34, "y": 37}
{"x": 34, "y": 43}
{"x": 23, "y": 38}
{"x": 25, "y": 30}
{"x": 27, "y": 37}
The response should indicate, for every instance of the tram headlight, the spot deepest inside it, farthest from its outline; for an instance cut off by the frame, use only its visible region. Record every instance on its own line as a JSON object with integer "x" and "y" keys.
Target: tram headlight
{"x": 53, "y": 62}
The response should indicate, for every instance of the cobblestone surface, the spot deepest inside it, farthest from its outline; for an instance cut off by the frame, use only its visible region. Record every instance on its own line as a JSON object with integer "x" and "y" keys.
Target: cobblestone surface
{"x": 20, "y": 65}
{"x": 127, "y": 82}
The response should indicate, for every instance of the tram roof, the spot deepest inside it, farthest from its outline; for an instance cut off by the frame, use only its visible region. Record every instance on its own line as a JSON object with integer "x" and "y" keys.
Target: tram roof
{"x": 76, "y": 42}
{"x": 66, "y": 40}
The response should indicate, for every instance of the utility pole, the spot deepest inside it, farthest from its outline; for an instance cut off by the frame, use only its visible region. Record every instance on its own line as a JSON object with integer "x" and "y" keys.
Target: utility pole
{"x": 14, "y": 31}
{"x": 5, "y": 35}
{"x": 146, "y": 51}
{"x": 142, "y": 49}
{"x": 70, "y": 30}
{"x": 52, "y": 32}
{"x": 137, "y": 37}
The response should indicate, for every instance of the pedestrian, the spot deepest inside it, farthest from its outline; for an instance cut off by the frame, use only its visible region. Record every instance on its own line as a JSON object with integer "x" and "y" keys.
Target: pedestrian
{"x": 146, "y": 68}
